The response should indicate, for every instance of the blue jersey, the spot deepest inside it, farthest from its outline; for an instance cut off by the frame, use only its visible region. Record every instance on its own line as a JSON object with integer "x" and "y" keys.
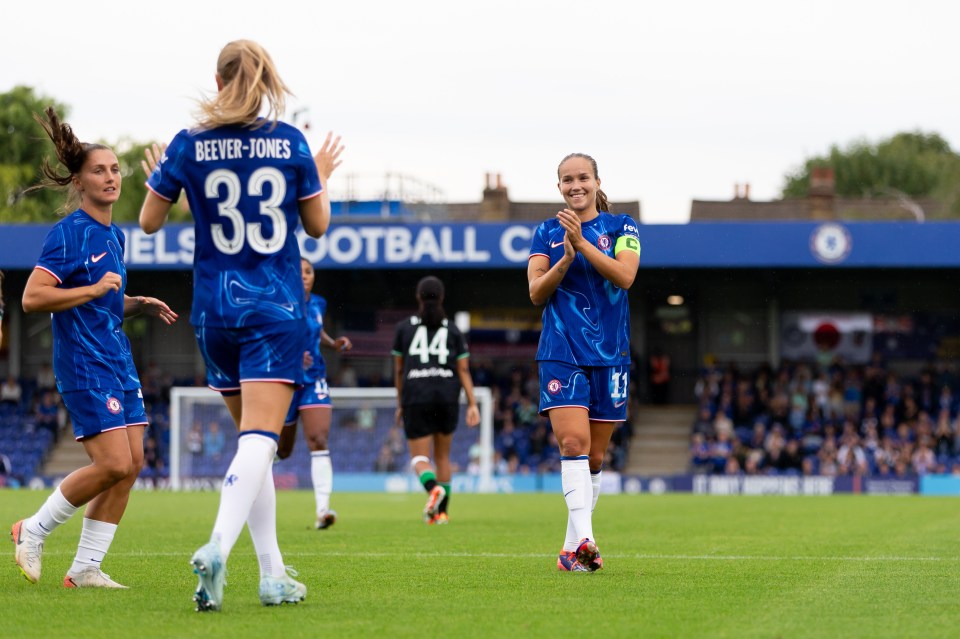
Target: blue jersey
{"x": 587, "y": 319}
{"x": 90, "y": 349}
{"x": 316, "y": 307}
{"x": 244, "y": 186}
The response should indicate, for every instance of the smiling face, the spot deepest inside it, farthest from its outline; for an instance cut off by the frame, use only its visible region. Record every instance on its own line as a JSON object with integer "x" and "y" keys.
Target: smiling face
{"x": 307, "y": 275}
{"x": 98, "y": 180}
{"x": 578, "y": 184}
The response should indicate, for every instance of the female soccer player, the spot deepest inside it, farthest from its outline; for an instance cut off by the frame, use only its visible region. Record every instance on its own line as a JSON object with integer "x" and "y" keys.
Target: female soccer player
{"x": 430, "y": 366}
{"x": 581, "y": 264}
{"x": 312, "y": 402}
{"x": 81, "y": 279}
{"x": 248, "y": 180}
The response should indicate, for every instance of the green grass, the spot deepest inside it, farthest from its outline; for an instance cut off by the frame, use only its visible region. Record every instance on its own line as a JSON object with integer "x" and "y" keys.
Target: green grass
{"x": 675, "y": 566}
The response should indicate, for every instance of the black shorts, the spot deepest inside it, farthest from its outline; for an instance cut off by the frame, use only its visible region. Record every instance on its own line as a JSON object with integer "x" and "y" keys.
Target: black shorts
{"x": 424, "y": 420}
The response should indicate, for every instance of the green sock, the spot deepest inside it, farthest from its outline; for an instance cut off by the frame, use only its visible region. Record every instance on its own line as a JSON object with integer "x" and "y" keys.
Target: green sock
{"x": 446, "y": 500}
{"x": 429, "y": 479}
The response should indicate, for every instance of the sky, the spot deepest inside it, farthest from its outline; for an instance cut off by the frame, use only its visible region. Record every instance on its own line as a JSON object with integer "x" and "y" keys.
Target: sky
{"x": 675, "y": 100}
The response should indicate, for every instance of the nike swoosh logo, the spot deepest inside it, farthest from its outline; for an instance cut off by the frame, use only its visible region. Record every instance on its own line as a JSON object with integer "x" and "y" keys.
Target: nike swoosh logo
{"x": 619, "y": 404}
{"x": 567, "y": 493}
{"x": 97, "y": 258}
{"x": 556, "y": 244}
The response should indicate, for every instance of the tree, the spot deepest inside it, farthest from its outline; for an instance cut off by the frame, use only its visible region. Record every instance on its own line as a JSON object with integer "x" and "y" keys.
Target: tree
{"x": 908, "y": 164}
{"x": 133, "y": 189}
{"x": 24, "y": 145}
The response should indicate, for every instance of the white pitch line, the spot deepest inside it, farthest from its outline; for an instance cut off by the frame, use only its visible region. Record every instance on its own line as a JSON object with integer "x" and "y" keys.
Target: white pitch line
{"x": 489, "y": 555}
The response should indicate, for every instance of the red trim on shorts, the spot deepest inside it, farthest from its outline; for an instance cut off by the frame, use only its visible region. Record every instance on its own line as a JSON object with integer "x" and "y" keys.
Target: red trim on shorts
{"x": 105, "y": 430}
{"x": 223, "y": 390}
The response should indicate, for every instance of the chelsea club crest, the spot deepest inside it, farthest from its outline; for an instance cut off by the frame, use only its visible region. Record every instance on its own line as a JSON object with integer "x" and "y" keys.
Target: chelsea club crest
{"x": 830, "y": 243}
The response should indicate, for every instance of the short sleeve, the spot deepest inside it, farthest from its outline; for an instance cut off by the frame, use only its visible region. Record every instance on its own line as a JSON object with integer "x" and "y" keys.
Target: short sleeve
{"x": 398, "y": 341}
{"x": 460, "y": 345}
{"x": 57, "y": 258}
{"x": 308, "y": 180}
{"x": 167, "y": 178}
{"x": 627, "y": 236}
{"x": 541, "y": 243}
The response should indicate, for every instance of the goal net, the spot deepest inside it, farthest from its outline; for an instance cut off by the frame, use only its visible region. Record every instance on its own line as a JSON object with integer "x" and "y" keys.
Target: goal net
{"x": 368, "y": 450}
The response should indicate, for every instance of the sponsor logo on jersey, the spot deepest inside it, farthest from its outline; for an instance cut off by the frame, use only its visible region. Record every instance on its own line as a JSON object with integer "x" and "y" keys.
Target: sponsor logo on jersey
{"x": 433, "y": 371}
{"x": 554, "y": 386}
{"x": 97, "y": 258}
{"x": 114, "y": 405}
{"x": 603, "y": 242}
{"x": 556, "y": 244}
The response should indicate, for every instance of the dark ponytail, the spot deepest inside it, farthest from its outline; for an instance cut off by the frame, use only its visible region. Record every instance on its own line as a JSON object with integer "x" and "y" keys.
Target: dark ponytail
{"x": 71, "y": 153}
{"x": 430, "y": 297}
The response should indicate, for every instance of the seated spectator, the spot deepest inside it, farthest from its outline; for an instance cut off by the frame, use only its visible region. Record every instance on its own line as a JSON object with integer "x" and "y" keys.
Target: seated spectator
{"x": 790, "y": 459}
{"x": 827, "y": 459}
{"x": 923, "y": 460}
{"x": 852, "y": 460}
{"x": 11, "y": 392}
{"x": 385, "y": 462}
{"x": 214, "y": 441}
{"x": 507, "y": 439}
{"x": 366, "y": 416}
{"x": 46, "y": 414}
{"x": 195, "y": 439}
{"x": 721, "y": 452}
{"x": 153, "y": 465}
{"x": 700, "y": 453}
{"x": 526, "y": 412}
{"x": 704, "y": 423}
{"x": 150, "y": 384}
{"x": 473, "y": 465}
{"x": 550, "y": 460}
{"x": 45, "y": 378}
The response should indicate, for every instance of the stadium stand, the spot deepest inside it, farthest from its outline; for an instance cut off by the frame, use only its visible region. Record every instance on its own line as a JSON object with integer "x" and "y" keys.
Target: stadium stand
{"x": 800, "y": 419}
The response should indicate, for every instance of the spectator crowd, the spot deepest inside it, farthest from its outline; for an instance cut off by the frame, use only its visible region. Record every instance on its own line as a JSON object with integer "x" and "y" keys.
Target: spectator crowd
{"x": 802, "y": 419}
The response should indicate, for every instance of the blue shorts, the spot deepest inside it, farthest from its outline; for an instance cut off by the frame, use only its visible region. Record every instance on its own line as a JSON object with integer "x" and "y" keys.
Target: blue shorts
{"x": 602, "y": 390}
{"x": 315, "y": 395}
{"x": 96, "y": 411}
{"x": 268, "y": 353}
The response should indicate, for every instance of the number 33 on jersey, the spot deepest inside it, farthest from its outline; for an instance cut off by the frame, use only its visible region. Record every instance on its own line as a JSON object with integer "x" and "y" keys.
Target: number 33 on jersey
{"x": 244, "y": 187}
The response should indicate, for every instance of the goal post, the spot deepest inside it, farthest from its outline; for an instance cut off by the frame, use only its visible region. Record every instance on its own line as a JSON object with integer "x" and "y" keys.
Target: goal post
{"x": 362, "y": 433}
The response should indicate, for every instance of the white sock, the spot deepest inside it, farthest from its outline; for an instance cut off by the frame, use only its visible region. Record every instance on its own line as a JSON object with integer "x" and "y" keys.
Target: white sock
{"x": 262, "y": 522}
{"x": 321, "y": 471}
{"x": 95, "y": 540}
{"x": 595, "y": 481}
{"x": 55, "y": 511}
{"x": 241, "y": 486}
{"x": 571, "y": 541}
{"x": 578, "y": 493}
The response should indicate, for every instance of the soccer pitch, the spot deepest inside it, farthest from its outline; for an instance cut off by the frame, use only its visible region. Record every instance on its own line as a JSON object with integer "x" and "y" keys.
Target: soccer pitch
{"x": 674, "y": 566}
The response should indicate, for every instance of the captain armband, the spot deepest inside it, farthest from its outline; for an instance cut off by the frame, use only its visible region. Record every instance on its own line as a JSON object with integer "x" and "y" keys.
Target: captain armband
{"x": 627, "y": 243}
